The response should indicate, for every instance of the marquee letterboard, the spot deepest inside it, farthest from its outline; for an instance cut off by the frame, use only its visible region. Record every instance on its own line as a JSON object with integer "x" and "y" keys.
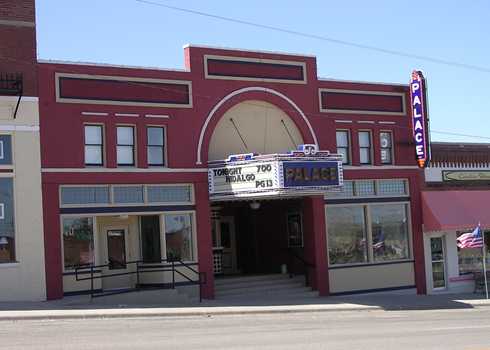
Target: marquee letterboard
{"x": 251, "y": 177}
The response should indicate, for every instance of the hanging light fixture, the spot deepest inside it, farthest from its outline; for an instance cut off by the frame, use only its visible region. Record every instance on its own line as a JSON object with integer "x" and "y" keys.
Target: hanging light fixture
{"x": 254, "y": 205}
{"x": 3, "y": 241}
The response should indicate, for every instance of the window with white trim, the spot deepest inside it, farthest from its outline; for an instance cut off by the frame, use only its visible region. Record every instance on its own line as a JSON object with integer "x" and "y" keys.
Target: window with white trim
{"x": 386, "y": 147}
{"x": 343, "y": 145}
{"x": 365, "y": 145}
{"x": 78, "y": 241}
{"x": 125, "y": 146}
{"x": 94, "y": 145}
{"x": 179, "y": 243}
{"x": 156, "y": 146}
{"x": 7, "y": 225}
{"x": 352, "y": 240}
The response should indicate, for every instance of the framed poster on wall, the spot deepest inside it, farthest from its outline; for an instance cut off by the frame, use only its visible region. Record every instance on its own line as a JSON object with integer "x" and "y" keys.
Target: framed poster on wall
{"x": 295, "y": 230}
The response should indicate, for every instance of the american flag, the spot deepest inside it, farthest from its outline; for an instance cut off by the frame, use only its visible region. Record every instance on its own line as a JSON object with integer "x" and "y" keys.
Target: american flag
{"x": 471, "y": 239}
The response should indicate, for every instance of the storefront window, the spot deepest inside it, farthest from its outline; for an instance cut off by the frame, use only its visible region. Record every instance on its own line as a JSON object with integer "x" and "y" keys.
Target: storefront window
{"x": 346, "y": 235}
{"x": 352, "y": 241}
{"x": 471, "y": 259}
{"x": 178, "y": 236}
{"x": 150, "y": 238}
{"x": 390, "y": 232}
{"x": 78, "y": 242}
{"x": 7, "y": 227}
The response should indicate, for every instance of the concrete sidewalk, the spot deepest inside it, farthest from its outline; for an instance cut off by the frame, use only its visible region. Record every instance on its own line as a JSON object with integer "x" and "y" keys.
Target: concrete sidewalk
{"x": 83, "y": 308}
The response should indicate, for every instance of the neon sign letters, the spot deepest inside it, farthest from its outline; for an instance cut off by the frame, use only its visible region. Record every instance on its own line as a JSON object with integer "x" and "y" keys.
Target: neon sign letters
{"x": 417, "y": 95}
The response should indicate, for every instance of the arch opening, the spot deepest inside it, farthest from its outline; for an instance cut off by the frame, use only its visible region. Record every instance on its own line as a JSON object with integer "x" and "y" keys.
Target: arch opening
{"x": 253, "y": 126}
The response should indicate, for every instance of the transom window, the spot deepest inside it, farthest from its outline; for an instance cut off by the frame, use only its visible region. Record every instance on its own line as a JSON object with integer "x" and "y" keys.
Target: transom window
{"x": 107, "y": 195}
{"x": 125, "y": 146}
{"x": 365, "y": 147}
{"x": 156, "y": 142}
{"x": 94, "y": 145}
{"x": 371, "y": 188}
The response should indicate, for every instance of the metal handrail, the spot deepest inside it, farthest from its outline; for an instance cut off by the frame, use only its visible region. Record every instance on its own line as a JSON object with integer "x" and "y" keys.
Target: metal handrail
{"x": 164, "y": 265}
{"x": 307, "y": 265}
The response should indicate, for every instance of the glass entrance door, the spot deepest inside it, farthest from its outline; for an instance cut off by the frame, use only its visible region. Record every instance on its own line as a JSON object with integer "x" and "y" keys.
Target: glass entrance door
{"x": 438, "y": 262}
{"x": 115, "y": 259}
{"x": 228, "y": 243}
{"x": 116, "y": 249}
{"x": 224, "y": 245}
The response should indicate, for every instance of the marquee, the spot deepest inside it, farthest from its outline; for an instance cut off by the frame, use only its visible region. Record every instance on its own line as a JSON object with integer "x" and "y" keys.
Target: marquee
{"x": 300, "y": 172}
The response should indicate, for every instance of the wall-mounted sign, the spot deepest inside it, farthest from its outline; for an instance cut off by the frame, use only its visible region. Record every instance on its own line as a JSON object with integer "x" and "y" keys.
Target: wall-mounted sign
{"x": 466, "y": 175}
{"x": 304, "y": 171}
{"x": 311, "y": 174}
{"x": 419, "y": 118}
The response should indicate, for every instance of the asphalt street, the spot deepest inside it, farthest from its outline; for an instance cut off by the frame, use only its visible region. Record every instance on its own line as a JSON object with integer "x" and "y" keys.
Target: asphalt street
{"x": 444, "y": 329}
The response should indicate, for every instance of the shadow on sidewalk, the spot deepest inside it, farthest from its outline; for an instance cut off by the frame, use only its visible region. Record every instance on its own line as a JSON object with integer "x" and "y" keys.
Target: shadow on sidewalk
{"x": 387, "y": 302}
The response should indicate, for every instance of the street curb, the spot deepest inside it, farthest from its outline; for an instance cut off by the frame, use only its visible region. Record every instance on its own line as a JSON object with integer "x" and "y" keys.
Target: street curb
{"x": 28, "y": 316}
{"x": 204, "y": 312}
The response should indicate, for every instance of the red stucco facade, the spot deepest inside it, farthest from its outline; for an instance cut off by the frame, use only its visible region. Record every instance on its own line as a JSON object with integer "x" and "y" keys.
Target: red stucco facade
{"x": 193, "y": 101}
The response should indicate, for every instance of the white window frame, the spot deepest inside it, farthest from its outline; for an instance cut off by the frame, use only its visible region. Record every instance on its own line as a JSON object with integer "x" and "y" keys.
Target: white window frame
{"x": 95, "y": 239}
{"x": 349, "y": 145}
{"x": 164, "y": 146}
{"x": 194, "y": 242}
{"x": 135, "y": 162}
{"x": 371, "y": 160}
{"x": 102, "y": 145}
{"x": 369, "y": 234}
{"x": 381, "y": 148}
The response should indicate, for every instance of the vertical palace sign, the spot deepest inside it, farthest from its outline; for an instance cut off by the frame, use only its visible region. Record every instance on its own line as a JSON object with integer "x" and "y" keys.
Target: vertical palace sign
{"x": 300, "y": 172}
{"x": 419, "y": 118}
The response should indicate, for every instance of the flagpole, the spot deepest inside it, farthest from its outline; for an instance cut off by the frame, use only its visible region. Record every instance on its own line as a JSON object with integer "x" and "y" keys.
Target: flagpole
{"x": 484, "y": 263}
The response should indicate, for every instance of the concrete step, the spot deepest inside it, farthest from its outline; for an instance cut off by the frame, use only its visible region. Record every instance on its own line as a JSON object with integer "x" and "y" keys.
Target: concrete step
{"x": 275, "y": 283}
{"x": 245, "y": 279}
{"x": 278, "y": 293}
{"x": 262, "y": 286}
{"x": 269, "y": 299}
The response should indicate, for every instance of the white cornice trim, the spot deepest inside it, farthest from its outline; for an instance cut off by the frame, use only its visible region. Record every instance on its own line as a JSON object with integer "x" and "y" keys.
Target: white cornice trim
{"x": 102, "y": 114}
{"x": 124, "y": 170}
{"x": 380, "y": 167}
{"x": 248, "y": 50}
{"x": 362, "y": 82}
{"x": 94, "y": 64}
{"x": 17, "y": 23}
{"x": 16, "y": 98}
{"x": 13, "y": 127}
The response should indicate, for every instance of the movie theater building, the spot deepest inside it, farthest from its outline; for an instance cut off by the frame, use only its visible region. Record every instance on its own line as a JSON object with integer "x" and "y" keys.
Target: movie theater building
{"x": 140, "y": 190}
{"x": 454, "y": 202}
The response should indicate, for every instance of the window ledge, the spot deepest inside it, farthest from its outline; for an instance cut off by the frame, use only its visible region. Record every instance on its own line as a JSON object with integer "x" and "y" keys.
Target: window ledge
{"x": 8, "y": 265}
{"x": 348, "y": 266}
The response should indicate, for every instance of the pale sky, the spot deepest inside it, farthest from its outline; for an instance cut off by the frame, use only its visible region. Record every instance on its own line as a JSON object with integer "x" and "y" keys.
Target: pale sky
{"x": 129, "y": 32}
